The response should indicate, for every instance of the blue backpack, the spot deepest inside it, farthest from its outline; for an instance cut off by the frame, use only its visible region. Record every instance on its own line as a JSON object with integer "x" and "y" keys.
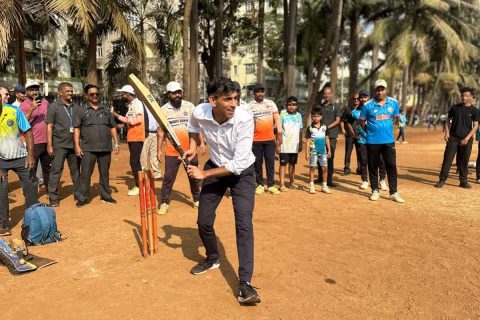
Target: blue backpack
{"x": 40, "y": 225}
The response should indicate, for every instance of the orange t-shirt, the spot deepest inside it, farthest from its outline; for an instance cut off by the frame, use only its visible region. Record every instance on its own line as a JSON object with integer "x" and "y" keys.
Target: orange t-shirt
{"x": 136, "y": 132}
{"x": 178, "y": 119}
{"x": 263, "y": 116}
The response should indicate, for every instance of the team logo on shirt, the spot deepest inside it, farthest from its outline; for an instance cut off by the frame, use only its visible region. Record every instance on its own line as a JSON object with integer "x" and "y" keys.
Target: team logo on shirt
{"x": 10, "y": 123}
{"x": 390, "y": 109}
{"x": 185, "y": 113}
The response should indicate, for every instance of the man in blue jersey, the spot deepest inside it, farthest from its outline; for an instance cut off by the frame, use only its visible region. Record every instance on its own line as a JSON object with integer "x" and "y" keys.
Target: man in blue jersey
{"x": 377, "y": 118}
{"x": 16, "y": 156}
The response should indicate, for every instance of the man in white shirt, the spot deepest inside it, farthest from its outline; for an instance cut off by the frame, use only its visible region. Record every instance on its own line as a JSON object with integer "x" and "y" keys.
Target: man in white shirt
{"x": 228, "y": 131}
{"x": 20, "y": 95}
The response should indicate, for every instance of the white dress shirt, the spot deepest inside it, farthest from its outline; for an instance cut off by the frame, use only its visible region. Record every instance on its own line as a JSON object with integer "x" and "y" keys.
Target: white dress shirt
{"x": 230, "y": 142}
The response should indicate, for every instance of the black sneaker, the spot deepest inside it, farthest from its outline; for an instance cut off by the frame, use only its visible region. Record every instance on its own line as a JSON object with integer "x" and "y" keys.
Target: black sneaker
{"x": 109, "y": 201}
{"x": 440, "y": 184}
{"x": 332, "y": 184}
{"x": 465, "y": 185}
{"x": 346, "y": 171}
{"x": 5, "y": 232}
{"x": 205, "y": 265}
{"x": 247, "y": 294}
{"x": 81, "y": 203}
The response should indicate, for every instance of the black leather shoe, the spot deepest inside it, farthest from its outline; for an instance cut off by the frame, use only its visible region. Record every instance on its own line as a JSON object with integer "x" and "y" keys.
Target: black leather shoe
{"x": 465, "y": 185}
{"x": 346, "y": 171}
{"x": 332, "y": 184}
{"x": 81, "y": 204}
{"x": 440, "y": 184}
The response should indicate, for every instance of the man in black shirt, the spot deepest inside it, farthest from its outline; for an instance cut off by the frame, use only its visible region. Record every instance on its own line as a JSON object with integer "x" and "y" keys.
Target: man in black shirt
{"x": 94, "y": 128}
{"x": 349, "y": 139}
{"x": 331, "y": 112}
{"x": 60, "y": 141}
{"x": 459, "y": 137}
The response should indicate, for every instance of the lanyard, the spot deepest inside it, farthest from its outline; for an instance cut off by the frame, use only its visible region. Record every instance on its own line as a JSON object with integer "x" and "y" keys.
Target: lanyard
{"x": 68, "y": 114}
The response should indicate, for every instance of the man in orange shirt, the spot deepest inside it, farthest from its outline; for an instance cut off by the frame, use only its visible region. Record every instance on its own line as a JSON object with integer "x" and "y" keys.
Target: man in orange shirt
{"x": 135, "y": 131}
{"x": 178, "y": 112}
{"x": 265, "y": 144}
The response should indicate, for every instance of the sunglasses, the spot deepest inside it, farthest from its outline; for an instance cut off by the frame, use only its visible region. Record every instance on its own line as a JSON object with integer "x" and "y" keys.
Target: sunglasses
{"x": 356, "y": 98}
{"x": 94, "y": 94}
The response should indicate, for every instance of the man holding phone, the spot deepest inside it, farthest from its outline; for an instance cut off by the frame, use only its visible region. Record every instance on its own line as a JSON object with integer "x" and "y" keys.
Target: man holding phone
{"x": 35, "y": 109}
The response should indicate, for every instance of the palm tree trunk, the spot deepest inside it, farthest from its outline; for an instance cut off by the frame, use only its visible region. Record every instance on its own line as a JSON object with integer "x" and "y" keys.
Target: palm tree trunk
{"x": 194, "y": 53}
{"x": 92, "y": 76}
{"x": 393, "y": 82}
{"x": 404, "y": 87}
{"x": 354, "y": 45}
{"x": 143, "y": 55}
{"x": 336, "y": 15}
{"x": 261, "y": 30}
{"x": 186, "y": 50}
{"x": 292, "y": 46}
{"x": 218, "y": 42}
{"x": 20, "y": 57}
{"x": 310, "y": 72}
{"x": 285, "y": 46}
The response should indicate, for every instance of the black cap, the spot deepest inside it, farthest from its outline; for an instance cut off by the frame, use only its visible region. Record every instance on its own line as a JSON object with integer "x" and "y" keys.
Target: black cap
{"x": 364, "y": 92}
{"x": 19, "y": 88}
{"x": 258, "y": 86}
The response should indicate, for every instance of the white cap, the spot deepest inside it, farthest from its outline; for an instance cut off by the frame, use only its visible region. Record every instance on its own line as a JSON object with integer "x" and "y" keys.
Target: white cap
{"x": 127, "y": 88}
{"x": 174, "y": 86}
{"x": 380, "y": 83}
{"x": 31, "y": 83}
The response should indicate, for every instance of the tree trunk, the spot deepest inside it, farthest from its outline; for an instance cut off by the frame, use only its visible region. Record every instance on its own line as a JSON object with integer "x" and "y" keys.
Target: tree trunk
{"x": 285, "y": 47}
{"x": 336, "y": 15}
{"x": 218, "y": 42}
{"x": 143, "y": 54}
{"x": 354, "y": 45}
{"x": 404, "y": 87}
{"x": 20, "y": 58}
{"x": 334, "y": 62}
{"x": 194, "y": 53}
{"x": 393, "y": 81}
{"x": 375, "y": 64}
{"x": 186, "y": 50}
{"x": 310, "y": 72}
{"x": 292, "y": 46}
{"x": 261, "y": 40}
{"x": 92, "y": 76}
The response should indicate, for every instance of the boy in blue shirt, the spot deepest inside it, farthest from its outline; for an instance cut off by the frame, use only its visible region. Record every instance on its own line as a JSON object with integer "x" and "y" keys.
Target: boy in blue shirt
{"x": 402, "y": 123}
{"x": 377, "y": 118}
{"x": 292, "y": 126}
{"x": 317, "y": 149}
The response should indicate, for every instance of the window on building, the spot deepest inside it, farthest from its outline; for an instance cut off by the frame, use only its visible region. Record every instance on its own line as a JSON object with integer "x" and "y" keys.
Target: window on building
{"x": 132, "y": 19}
{"x": 235, "y": 70}
{"x": 250, "y": 68}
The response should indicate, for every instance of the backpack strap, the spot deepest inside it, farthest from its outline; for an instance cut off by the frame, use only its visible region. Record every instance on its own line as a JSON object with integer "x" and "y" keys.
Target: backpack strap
{"x": 45, "y": 225}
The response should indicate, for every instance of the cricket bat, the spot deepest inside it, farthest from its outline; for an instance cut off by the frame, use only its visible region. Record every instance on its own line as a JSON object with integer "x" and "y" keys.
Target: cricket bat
{"x": 146, "y": 96}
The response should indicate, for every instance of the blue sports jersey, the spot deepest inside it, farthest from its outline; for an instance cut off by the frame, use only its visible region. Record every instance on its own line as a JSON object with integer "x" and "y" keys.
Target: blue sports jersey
{"x": 317, "y": 139}
{"x": 358, "y": 129}
{"x": 380, "y": 120}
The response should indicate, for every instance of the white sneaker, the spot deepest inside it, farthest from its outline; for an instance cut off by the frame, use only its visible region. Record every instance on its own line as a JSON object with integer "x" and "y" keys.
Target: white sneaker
{"x": 163, "y": 209}
{"x": 375, "y": 195}
{"x": 364, "y": 185}
{"x": 405, "y": 142}
{"x": 312, "y": 190}
{"x": 196, "y": 204}
{"x": 134, "y": 191}
{"x": 396, "y": 197}
{"x": 326, "y": 189}
{"x": 383, "y": 185}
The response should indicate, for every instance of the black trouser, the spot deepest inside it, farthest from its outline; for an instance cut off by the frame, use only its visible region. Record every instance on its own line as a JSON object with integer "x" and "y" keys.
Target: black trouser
{"x": 477, "y": 167}
{"x": 135, "y": 148}
{"x": 401, "y": 134}
{"x": 87, "y": 165}
{"x": 349, "y": 142}
{"x": 60, "y": 154}
{"x": 172, "y": 164}
{"x": 242, "y": 189}
{"x": 362, "y": 157}
{"x": 264, "y": 149}
{"x": 333, "y": 146}
{"x": 27, "y": 181}
{"x": 463, "y": 155}
{"x": 40, "y": 153}
{"x": 375, "y": 154}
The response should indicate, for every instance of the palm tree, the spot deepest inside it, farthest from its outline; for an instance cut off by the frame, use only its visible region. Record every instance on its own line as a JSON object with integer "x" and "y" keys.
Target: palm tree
{"x": 158, "y": 20}
{"x": 11, "y": 20}
{"x": 93, "y": 18}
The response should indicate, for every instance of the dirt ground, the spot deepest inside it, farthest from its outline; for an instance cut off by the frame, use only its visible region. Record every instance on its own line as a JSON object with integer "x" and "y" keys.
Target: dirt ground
{"x": 337, "y": 256}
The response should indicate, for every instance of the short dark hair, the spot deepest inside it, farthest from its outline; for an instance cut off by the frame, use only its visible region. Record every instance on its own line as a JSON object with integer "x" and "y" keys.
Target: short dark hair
{"x": 219, "y": 86}
{"x": 63, "y": 85}
{"x": 316, "y": 111}
{"x": 90, "y": 86}
{"x": 292, "y": 99}
{"x": 468, "y": 89}
{"x": 237, "y": 86}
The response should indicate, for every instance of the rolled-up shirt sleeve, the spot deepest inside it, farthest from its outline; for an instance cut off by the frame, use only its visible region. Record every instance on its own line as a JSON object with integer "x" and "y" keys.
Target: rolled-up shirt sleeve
{"x": 243, "y": 147}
